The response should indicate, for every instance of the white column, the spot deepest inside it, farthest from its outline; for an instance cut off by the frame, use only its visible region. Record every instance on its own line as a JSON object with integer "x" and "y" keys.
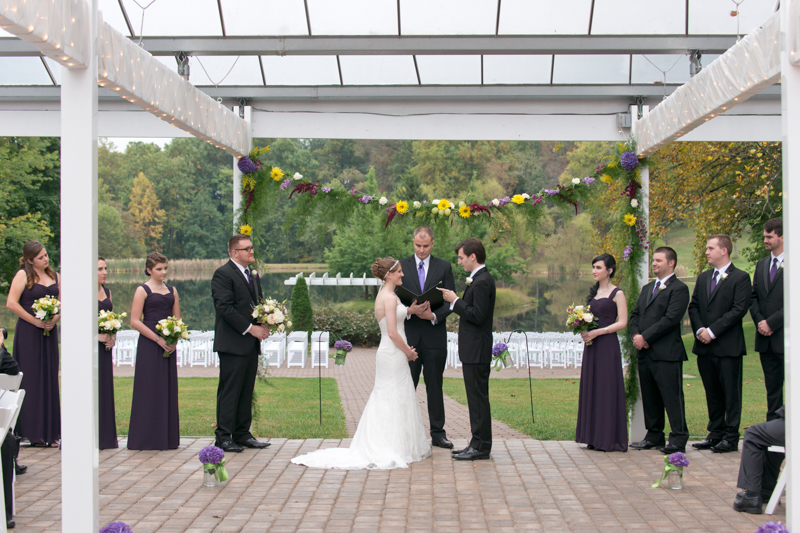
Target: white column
{"x": 79, "y": 452}
{"x": 790, "y": 112}
{"x": 237, "y": 174}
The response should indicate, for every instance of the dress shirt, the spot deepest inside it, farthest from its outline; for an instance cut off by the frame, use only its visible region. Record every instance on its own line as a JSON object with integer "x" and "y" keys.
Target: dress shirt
{"x": 663, "y": 282}
{"x": 242, "y": 269}
{"x": 779, "y": 258}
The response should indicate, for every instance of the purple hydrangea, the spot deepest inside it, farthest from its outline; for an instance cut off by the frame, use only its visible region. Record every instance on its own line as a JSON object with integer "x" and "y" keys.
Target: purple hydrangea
{"x": 116, "y": 527}
{"x": 588, "y": 180}
{"x": 211, "y": 455}
{"x": 550, "y": 192}
{"x": 628, "y": 160}
{"x": 246, "y": 165}
{"x": 599, "y": 168}
{"x": 326, "y": 190}
{"x": 678, "y": 459}
{"x": 286, "y": 184}
{"x": 772, "y": 527}
{"x": 343, "y": 345}
{"x": 499, "y": 348}
{"x": 626, "y": 253}
{"x": 365, "y": 199}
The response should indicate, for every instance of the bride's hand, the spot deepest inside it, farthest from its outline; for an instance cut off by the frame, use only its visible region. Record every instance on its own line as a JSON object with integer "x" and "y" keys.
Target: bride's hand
{"x": 412, "y": 355}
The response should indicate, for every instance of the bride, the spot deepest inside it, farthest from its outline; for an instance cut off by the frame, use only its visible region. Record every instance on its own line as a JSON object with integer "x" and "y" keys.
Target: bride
{"x": 390, "y": 433}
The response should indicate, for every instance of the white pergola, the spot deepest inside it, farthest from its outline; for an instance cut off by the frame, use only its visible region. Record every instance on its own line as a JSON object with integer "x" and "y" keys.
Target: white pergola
{"x": 379, "y": 69}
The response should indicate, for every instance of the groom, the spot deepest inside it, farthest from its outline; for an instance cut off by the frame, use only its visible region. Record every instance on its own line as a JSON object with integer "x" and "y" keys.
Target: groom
{"x": 236, "y": 289}
{"x": 476, "y": 310}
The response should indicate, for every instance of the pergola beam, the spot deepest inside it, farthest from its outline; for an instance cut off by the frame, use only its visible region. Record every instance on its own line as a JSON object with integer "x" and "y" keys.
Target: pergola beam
{"x": 420, "y": 45}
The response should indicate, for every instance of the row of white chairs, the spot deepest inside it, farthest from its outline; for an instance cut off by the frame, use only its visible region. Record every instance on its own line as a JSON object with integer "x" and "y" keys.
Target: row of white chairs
{"x": 11, "y": 398}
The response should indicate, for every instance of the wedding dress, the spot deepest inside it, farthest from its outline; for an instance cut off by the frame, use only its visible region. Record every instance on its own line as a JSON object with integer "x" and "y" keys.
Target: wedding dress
{"x": 390, "y": 433}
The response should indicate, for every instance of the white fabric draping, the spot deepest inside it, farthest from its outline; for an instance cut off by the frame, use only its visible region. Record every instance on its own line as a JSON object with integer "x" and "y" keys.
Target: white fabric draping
{"x": 57, "y": 27}
{"x": 746, "y": 69}
{"x": 137, "y": 76}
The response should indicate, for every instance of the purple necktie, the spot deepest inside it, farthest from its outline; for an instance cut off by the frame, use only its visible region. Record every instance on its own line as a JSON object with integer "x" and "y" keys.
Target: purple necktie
{"x": 774, "y": 270}
{"x": 250, "y": 280}
{"x": 655, "y": 288}
{"x": 421, "y": 273}
{"x": 713, "y": 282}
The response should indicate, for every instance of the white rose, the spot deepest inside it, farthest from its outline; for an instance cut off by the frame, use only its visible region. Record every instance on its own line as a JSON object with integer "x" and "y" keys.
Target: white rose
{"x": 185, "y": 335}
{"x": 288, "y": 323}
{"x": 41, "y": 314}
{"x": 588, "y": 317}
{"x": 634, "y": 203}
{"x": 117, "y": 324}
{"x": 436, "y": 202}
{"x": 576, "y": 181}
{"x": 278, "y": 316}
{"x": 579, "y": 309}
{"x": 255, "y": 313}
{"x": 417, "y": 205}
{"x": 254, "y": 272}
{"x": 526, "y": 196}
{"x": 496, "y": 202}
{"x": 297, "y": 176}
{"x": 383, "y": 200}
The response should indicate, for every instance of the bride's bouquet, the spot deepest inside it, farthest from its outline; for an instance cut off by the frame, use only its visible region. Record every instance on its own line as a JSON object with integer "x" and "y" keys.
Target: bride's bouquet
{"x": 272, "y": 314}
{"x": 45, "y": 309}
{"x": 110, "y": 322}
{"x": 172, "y": 330}
{"x": 580, "y": 319}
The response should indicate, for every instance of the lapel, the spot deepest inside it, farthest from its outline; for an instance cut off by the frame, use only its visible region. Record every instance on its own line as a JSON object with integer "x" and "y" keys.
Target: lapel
{"x": 414, "y": 273}
{"x": 720, "y": 281}
{"x": 652, "y": 298}
{"x": 238, "y": 276}
{"x": 777, "y": 275}
{"x": 480, "y": 273}
{"x": 433, "y": 266}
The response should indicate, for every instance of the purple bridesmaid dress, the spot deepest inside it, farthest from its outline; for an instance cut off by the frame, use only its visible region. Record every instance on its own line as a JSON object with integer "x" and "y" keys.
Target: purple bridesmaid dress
{"x": 105, "y": 387}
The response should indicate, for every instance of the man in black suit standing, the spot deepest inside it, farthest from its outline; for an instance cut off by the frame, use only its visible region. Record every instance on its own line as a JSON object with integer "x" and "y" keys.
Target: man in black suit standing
{"x": 767, "y": 312}
{"x": 655, "y": 327}
{"x": 476, "y": 310}
{"x": 237, "y": 338}
{"x": 720, "y": 300}
{"x": 426, "y": 328}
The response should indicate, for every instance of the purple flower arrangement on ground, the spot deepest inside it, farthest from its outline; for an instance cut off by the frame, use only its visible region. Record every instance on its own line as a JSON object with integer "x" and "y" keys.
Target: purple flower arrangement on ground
{"x": 772, "y": 527}
{"x": 501, "y": 358}
{"x": 342, "y": 348}
{"x": 213, "y": 460}
{"x": 116, "y": 527}
{"x": 675, "y": 462}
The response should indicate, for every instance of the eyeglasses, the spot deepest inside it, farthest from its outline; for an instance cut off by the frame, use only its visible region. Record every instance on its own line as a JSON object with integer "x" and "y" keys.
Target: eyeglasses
{"x": 248, "y": 249}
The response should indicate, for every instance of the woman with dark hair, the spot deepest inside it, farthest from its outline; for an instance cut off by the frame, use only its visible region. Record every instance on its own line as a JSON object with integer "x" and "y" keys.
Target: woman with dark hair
{"x": 105, "y": 366}
{"x": 154, "y": 407}
{"x": 37, "y": 354}
{"x": 602, "y": 416}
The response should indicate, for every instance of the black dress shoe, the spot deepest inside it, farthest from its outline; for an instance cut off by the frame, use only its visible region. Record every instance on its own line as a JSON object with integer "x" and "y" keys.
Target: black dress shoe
{"x": 645, "y": 445}
{"x": 20, "y": 469}
{"x": 725, "y": 446}
{"x": 442, "y": 442}
{"x": 471, "y": 454}
{"x": 706, "y": 444}
{"x": 462, "y": 450}
{"x": 747, "y": 503}
{"x": 229, "y": 446}
{"x": 669, "y": 449}
{"x": 253, "y": 443}
{"x": 10, "y": 524}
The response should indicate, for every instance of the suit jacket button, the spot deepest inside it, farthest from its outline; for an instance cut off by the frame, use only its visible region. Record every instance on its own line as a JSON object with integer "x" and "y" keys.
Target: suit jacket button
{"x": 767, "y": 299}
{"x": 644, "y": 316}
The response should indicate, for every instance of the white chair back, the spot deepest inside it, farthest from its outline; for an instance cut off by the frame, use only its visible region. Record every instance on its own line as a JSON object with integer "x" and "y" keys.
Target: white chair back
{"x": 273, "y": 350}
{"x": 124, "y": 351}
{"x": 452, "y": 350}
{"x": 296, "y": 349}
{"x": 200, "y": 349}
{"x": 10, "y": 403}
{"x": 9, "y": 382}
{"x": 320, "y": 351}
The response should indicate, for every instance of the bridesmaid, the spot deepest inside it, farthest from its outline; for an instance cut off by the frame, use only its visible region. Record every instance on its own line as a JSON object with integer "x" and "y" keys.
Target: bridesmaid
{"x": 105, "y": 366}
{"x": 602, "y": 416}
{"x": 154, "y": 409}
{"x": 37, "y": 355}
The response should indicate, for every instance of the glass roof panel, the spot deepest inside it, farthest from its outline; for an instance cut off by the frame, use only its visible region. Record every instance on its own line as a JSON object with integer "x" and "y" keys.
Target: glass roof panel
{"x": 245, "y": 71}
{"x": 378, "y": 70}
{"x": 590, "y": 69}
{"x": 448, "y": 17}
{"x": 353, "y": 17}
{"x": 55, "y": 69}
{"x": 714, "y": 16}
{"x": 449, "y": 70}
{"x": 112, "y": 14}
{"x": 301, "y": 70}
{"x": 516, "y": 69}
{"x": 264, "y": 17}
{"x": 645, "y": 69}
{"x": 23, "y": 71}
{"x": 198, "y": 17}
{"x": 640, "y": 17}
{"x": 523, "y": 17}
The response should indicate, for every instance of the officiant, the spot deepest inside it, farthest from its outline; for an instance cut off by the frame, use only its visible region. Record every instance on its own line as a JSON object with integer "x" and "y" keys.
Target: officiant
{"x": 425, "y": 327}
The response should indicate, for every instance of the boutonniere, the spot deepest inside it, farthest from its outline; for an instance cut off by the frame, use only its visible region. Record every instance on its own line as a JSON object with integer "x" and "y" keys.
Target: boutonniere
{"x": 781, "y": 265}
{"x": 723, "y": 276}
{"x": 469, "y": 281}
{"x": 254, "y": 272}
{"x": 662, "y": 287}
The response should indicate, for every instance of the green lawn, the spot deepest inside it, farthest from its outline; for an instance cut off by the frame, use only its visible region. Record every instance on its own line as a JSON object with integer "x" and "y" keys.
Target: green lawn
{"x": 555, "y": 401}
{"x": 288, "y": 407}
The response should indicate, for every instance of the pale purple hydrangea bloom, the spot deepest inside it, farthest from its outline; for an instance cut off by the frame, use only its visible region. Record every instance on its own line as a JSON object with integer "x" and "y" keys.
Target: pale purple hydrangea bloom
{"x": 499, "y": 348}
{"x": 246, "y": 165}
{"x": 504, "y": 201}
{"x": 679, "y": 459}
{"x": 326, "y": 190}
{"x": 211, "y": 455}
{"x": 628, "y": 160}
{"x": 550, "y": 192}
{"x": 343, "y": 345}
{"x": 626, "y": 254}
{"x": 116, "y": 527}
{"x": 588, "y": 180}
{"x": 772, "y": 527}
{"x": 365, "y": 199}
{"x": 286, "y": 184}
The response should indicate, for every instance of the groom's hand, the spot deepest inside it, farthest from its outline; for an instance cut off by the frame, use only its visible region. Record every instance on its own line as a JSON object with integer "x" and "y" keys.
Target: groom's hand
{"x": 259, "y": 332}
{"x": 448, "y": 295}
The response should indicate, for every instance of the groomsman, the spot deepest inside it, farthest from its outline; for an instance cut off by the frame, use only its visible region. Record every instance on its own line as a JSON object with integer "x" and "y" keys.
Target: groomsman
{"x": 721, "y": 298}
{"x": 767, "y": 312}
{"x": 655, "y": 327}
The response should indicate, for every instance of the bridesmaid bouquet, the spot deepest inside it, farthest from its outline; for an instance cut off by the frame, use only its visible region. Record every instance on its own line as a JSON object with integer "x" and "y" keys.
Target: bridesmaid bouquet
{"x": 110, "y": 322}
{"x": 172, "y": 329}
{"x": 273, "y": 314}
{"x": 45, "y": 309}
{"x": 580, "y": 319}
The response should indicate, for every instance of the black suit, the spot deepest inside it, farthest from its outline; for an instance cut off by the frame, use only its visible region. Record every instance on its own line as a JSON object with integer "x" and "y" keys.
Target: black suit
{"x": 658, "y": 319}
{"x": 720, "y": 361}
{"x": 759, "y": 469}
{"x": 430, "y": 341}
{"x": 767, "y": 305}
{"x": 238, "y": 351}
{"x": 476, "y": 309}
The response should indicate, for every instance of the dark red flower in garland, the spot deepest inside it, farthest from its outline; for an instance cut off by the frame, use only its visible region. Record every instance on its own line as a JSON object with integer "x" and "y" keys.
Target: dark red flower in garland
{"x": 567, "y": 194}
{"x": 477, "y": 208}
{"x": 303, "y": 188}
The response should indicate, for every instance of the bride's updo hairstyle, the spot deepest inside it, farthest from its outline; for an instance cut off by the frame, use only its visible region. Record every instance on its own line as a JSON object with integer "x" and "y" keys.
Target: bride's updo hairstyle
{"x": 383, "y": 266}
{"x": 610, "y": 264}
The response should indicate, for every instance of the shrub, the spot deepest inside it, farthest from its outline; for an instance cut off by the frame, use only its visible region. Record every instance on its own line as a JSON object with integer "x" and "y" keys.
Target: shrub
{"x": 300, "y": 313}
{"x": 360, "y": 328}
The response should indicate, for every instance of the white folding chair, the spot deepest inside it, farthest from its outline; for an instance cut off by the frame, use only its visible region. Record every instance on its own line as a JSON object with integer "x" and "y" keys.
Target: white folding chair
{"x": 273, "y": 350}
{"x": 125, "y": 348}
{"x": 9, "y": 382}
{"x": 557, "y": 351}
{"x": 200, "y": 349}
{"x": 536, "y": 349}
{"x": 296, "y": 349}
{"x": 10, "y": 403}
{"x": 579, "y": 346}
{"x": 320, "y": 351}
{"x": 779, "y": 486}
{"x": 452, "y": 349}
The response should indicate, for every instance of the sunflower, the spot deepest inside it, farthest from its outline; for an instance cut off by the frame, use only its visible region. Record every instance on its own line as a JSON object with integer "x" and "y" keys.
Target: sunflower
{"x": 605, "y": 178}
{"x": 402, "y": 206}
{"x": 518, "y": 199}
{"x": 630, "y": 219}
{"x": 464, "y": 211}
{"x": 443, "y": 204}
{"x": 276, "y": 173}
{"x": 246, "y": 229}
